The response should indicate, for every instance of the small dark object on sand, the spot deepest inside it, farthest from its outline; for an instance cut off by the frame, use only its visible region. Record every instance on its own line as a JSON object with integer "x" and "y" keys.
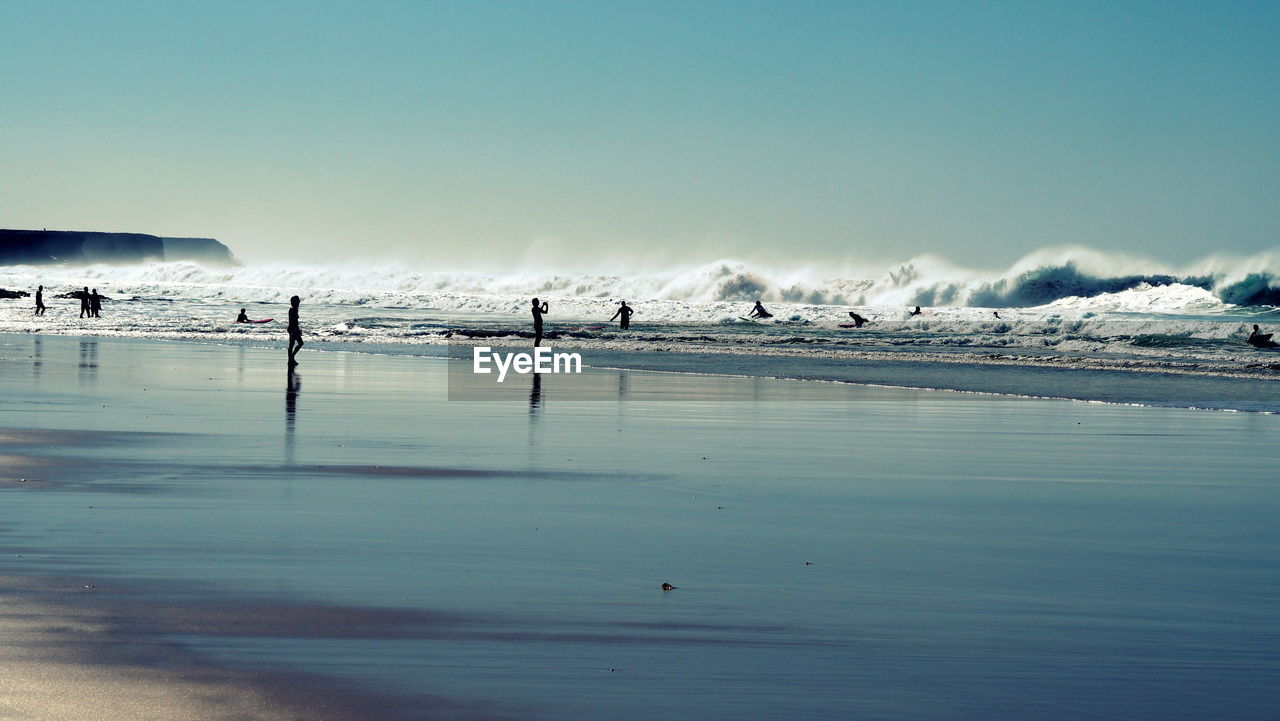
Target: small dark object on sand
{"x": 668, "y": 587}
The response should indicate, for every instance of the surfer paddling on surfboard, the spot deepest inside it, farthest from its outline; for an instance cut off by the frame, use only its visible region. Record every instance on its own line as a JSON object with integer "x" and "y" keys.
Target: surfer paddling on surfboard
{"x": 759, "y": 312}
{"x": 244, "y": 318}
{"x": 858, "y": 321}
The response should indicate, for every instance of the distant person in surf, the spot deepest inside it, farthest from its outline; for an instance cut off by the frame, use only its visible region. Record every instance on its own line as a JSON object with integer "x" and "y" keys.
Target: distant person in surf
{"x": 295, "y": 331}
{"x": 538, "y": 310}
{"x": 84, "y": 303}
{"x": 40, "y": 300}
{"x": 95, "y": 304}
{"x": 625, "y": 312}
{"x": 996, "y": 314}
{"x": 915, "y": 312}
{"x": 858, "y": 321}
{"x": 1258, "y": 339}
{"x": 243, "y": 317}
{"x": 759, "y": 312}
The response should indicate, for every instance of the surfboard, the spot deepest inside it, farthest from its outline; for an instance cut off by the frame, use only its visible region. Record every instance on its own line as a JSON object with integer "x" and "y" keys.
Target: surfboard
{"x": 848, "y": 325}
{"x": 265, "y": 320}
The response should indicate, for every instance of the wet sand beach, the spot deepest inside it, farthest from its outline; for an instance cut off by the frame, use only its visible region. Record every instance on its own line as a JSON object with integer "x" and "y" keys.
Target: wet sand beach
{"x": 189, "y": 534}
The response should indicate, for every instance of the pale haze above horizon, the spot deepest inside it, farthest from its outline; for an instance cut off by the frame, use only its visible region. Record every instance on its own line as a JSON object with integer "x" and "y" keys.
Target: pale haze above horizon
{"x": 461, "y": 134}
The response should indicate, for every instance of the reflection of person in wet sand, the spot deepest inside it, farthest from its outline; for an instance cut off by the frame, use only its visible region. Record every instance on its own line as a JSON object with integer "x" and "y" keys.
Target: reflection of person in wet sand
{"x": 538, "y": 310}
{"x": 625, "y": 311}
{"x": 535, "y": 395}
{"x": 292, "y": 386}
{"x": 759, "y": 312}
{"x": 295, "y": 331}
{"x": 915, "y": 312}
{"x": 40, "y": 300}
{"x": 1258, "y": 339}
{"x": 858, "y": 321}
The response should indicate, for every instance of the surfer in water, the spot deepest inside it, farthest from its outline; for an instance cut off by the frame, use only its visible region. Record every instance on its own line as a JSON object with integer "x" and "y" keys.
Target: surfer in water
{"x": 40, "y": 300}
{"x": 996, "y": 314}
{"x": 915, "y": 312}
{"x": 759, "y": 312}
{"x": 858, "y": 321}
{"x": 538, "y": 310}
{"x": 243, "y": 317}
{"x": 84, "y": 303}
{"x": 625, "y": 312}
{"x": 1258, "y": 339}
{"x": 295, "y": 331}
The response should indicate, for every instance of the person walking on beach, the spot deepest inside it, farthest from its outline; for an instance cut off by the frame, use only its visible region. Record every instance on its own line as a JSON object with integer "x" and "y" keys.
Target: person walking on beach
{"x": 95, "y": 304}
{"x": 84, "y": 303}
{"x": 858, "y": 321}
{"x": 759, "y": 312}
{"x": 40, "y": 300}
{"x": 625, "y": 311}
{"x": 538, "y": 310}
{"x": 295, "y": 331}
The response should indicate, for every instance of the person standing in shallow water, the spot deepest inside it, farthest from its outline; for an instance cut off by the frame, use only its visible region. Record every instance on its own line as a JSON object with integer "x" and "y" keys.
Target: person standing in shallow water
{"x": 625, "y": 312}
{"x": 295, "y": 331}
{"x": 538, "y": 310}
{"x": 84, "y": 303}
{"x": 40, "y": 300}
{"x": 95, "y": 304}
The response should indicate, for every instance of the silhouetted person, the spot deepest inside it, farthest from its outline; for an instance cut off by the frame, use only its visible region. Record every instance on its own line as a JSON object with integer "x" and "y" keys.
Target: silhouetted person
{"x": 858, "y": 321}
{"x": 625, "y": 311}
{"x": 84, "y": 303}
{"x": 95, "y": 304}
{"x": 997, "y": 315}
{"x": 40, "y": 300}
{"x": 538, "y": 310}
{"x": 1258, "y": 339}
{"x": 295, "y": 331}
{"x": 243, "y": 317}
{"x": 915, "y": 312}
{"x": 759, "y": 312}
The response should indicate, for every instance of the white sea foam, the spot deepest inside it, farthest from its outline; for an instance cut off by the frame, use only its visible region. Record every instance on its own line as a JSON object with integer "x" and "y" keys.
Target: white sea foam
{"x": 1071, "y": 302}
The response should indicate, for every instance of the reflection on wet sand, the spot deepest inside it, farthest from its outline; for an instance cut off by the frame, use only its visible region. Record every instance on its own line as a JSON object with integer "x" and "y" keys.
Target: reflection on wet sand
{"x": 88, "y": 361}
{"x": 292, "y": 387}
{"x": 37, "y": 356}
{"x": 535, "y": 397}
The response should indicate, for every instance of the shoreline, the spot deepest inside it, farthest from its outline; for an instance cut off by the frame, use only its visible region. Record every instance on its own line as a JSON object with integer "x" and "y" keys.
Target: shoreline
{"x": 1039, "y": 376}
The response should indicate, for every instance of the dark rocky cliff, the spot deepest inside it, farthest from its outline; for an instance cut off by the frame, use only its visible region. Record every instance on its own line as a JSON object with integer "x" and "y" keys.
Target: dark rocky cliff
{"x": 49, "y": 247}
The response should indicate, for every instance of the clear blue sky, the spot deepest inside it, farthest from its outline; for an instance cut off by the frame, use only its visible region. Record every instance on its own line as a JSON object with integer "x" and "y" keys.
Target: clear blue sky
{"x": 461, "y": 132}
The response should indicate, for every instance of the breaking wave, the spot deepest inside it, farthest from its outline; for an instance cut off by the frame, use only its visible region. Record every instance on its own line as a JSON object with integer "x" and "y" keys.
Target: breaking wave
{"x": 1074, "y": 278}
